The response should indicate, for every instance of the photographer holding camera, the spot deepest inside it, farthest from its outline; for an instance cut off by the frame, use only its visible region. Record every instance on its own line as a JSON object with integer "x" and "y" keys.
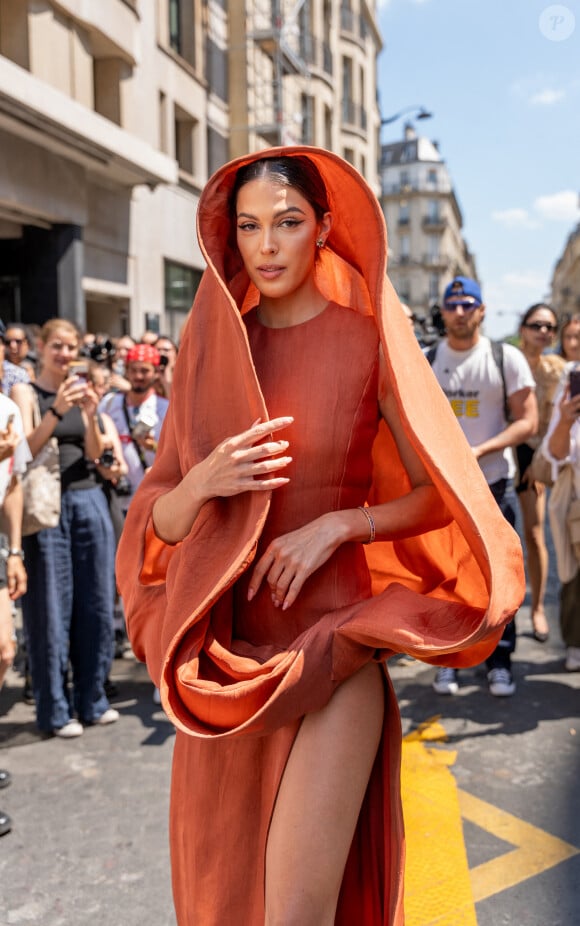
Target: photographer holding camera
{"x": 138, "y": 414}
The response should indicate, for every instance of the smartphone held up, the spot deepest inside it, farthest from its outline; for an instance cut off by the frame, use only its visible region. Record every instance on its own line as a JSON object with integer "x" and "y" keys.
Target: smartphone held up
{"x": 574, "y": 382}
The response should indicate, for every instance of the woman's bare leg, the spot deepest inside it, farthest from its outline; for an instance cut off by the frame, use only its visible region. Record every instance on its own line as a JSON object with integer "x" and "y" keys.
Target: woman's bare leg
{"x": 319, "y": 801}
{"x": 533, "y": 507}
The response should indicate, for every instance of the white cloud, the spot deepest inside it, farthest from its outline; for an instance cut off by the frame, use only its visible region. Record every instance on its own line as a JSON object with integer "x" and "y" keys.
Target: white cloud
{"x": 541, "y": 90}
{"x": 515, "y": 218}
{"x": 547, "y": 97}
{"x": 558, "y": 207}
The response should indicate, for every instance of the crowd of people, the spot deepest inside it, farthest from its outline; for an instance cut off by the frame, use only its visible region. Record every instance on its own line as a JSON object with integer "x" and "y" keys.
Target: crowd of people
{"x": 100, "y": 402}
{"x": 248, "y": 570}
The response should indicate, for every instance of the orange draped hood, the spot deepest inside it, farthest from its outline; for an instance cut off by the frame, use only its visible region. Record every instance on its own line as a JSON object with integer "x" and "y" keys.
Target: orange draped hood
{"x": 443, "y": 597}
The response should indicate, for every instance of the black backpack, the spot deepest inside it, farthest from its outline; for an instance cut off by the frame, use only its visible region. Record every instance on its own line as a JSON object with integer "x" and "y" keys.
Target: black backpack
{"x": 497, "y": 352}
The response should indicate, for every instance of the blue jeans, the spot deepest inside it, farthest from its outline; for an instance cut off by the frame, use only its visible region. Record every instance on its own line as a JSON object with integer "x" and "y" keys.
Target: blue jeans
{"x": 68, "y": 610}
{"x": 503, "y": 493}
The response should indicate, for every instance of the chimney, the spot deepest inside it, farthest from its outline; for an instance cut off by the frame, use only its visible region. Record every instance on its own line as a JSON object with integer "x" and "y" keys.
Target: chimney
{"x": 410, "y": 132}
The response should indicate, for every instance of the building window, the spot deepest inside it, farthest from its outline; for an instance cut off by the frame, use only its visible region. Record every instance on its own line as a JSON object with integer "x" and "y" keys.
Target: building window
{"x": 404, "y": 290}
{"x": 14, "y": 33}
{"x": 433, "y": 210}
{"x": 433, "y": 287}
{"x": 404, "y": 215}
{"x": 175, "y": 25}
{"x": 404, "y": 179}
{"x": 163, "y": 141}
{"x": 328, "y": 128}
{"x": 348, "y": 155}
{"x": 432, "y": 178}
{"x": 307, "y": 112}
{"x": 107, "y": 75}
{"x": 185, "y": 127}
{"x": 404, "y": 248}
{"x": 348, "y": 114}
{"x": 433, "y": 248}
{"x": 182, "y": 29}
{"x": 181, "y": 285}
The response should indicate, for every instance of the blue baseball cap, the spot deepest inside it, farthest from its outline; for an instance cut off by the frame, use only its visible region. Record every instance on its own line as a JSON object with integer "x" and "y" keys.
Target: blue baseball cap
{"x": 463, "y": 286}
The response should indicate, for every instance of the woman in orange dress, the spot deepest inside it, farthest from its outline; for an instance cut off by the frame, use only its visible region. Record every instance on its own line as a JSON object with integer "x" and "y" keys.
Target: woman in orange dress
{"x": 313, "y": 508}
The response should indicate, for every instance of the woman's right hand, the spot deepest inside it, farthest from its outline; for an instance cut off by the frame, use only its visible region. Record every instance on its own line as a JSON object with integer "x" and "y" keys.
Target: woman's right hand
{"x": 9, "y": 441}
{"x": 247, "y": 462}
{"x": 72, "y": 391}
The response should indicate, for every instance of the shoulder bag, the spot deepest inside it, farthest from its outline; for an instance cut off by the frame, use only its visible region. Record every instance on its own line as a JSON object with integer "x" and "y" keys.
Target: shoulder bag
{"x": 41, "y": 483}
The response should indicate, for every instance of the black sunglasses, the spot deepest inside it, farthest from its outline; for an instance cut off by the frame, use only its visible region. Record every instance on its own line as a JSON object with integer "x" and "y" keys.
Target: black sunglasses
{"x": 466, "y": 306}
{"x": 539, "y": 326}
{"x": 9, "y": 341}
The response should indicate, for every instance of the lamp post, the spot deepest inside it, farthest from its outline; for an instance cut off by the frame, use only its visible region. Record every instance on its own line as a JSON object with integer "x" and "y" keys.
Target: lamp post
{"x": 421, "y": 114}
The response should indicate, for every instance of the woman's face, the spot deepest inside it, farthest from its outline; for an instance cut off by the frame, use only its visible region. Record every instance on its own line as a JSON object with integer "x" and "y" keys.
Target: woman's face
{"x": 58, "y": 351}
{"x": 571, "y": 341}
{"x": 539, "y": 330}
{"x": 276, "y": 234}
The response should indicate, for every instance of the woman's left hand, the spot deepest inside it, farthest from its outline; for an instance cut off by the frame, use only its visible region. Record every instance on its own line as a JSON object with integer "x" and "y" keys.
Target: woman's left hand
{"x": 291, "y": 558}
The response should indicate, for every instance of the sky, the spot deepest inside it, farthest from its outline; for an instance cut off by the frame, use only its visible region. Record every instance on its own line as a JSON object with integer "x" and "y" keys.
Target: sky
{"x": 502, "y": 80}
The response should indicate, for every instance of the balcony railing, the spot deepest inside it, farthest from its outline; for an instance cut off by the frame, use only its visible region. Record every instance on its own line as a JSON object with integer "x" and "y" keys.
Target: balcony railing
{"x": 434, "y": 222}
{"x": 353, "y": 25}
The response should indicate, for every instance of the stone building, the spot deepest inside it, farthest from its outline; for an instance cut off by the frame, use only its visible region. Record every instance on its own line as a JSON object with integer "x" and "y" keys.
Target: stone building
{"x": 424, "y": 221}
{"x": 566, "y": 277}
{"x": 114, "y": 113}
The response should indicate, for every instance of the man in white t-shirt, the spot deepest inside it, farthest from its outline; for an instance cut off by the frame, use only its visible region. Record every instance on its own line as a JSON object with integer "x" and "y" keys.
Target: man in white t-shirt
{"x": 492, "y": 392}
{"x": 138, "y": 414}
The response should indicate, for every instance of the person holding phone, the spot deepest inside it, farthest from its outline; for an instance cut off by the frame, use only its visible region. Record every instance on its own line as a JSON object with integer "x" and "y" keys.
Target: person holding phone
{"x": 562, "y": 446}
{"x": 68, "y": 608}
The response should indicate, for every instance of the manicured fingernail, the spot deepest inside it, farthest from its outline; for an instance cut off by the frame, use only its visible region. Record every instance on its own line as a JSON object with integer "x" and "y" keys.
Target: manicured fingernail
{"x": 285, "y": 606}
{"x": 251, "y": 594}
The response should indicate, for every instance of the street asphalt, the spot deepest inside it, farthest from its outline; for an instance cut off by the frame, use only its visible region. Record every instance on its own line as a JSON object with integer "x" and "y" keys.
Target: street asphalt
{"x": 89, "y": 838}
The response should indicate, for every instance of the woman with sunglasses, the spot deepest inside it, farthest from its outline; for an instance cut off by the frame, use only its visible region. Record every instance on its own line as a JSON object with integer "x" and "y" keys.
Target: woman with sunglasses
{"x": 538, "y": 329}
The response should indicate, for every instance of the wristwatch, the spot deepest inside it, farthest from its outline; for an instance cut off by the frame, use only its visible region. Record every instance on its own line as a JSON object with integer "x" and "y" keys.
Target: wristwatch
{"x": 15, "y": 551}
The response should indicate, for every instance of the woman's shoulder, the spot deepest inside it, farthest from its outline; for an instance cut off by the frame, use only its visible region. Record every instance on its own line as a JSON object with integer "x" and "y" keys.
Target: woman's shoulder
{"x": 352, "y": 318}
{"x": 550, "y": 368}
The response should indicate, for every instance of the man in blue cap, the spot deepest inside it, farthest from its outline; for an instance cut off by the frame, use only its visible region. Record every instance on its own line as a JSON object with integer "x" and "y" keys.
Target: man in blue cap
{"x": 492, "y": 391}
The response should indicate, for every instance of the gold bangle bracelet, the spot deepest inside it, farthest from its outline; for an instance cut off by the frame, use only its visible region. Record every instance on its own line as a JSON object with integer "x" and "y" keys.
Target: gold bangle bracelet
{"x": 371, "y": 520}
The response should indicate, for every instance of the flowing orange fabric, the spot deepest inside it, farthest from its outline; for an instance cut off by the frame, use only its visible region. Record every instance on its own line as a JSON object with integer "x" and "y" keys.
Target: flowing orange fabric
{"x": 236, "y": 683}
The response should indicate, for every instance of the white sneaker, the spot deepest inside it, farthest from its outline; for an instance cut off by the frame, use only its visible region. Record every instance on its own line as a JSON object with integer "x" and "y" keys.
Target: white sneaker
{"x": 71, "y": 729}
{"x": 446, "y": 681}
{"x": 110, "y": 716}
{"x": 573, "y": 659}
{"x": 501, "y": 683}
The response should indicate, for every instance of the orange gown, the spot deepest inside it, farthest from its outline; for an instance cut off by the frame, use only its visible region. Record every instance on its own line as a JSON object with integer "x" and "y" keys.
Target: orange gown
{"x": 236, "y": 677}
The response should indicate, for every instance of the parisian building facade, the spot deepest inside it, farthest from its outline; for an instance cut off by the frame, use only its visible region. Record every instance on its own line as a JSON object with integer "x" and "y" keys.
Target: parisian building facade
{"x": 565, "y": 284}
{"x": 424, "y": 222}
{"x": 114, "y": 113}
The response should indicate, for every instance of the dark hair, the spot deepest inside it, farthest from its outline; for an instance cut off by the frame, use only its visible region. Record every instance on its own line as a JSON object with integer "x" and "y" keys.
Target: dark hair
{"x": 298, "y": 172}
{"x": 534, "y": 308}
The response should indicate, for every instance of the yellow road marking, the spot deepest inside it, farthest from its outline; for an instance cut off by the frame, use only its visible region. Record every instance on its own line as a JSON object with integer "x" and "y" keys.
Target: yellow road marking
{"x": 439, "y": 888}
{"x": 535, "y": 851}
{"x": 437, "y": 883}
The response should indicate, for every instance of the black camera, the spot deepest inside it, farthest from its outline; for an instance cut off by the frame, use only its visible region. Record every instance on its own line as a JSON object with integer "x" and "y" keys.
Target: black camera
{"x": 163, "y": 360}
{"x": 107, "y": 458}
{"x": 123, "y": 487}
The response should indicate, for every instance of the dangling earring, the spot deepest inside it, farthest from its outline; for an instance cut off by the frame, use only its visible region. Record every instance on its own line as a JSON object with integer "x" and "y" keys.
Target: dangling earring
{"x": 320, "y": 242}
